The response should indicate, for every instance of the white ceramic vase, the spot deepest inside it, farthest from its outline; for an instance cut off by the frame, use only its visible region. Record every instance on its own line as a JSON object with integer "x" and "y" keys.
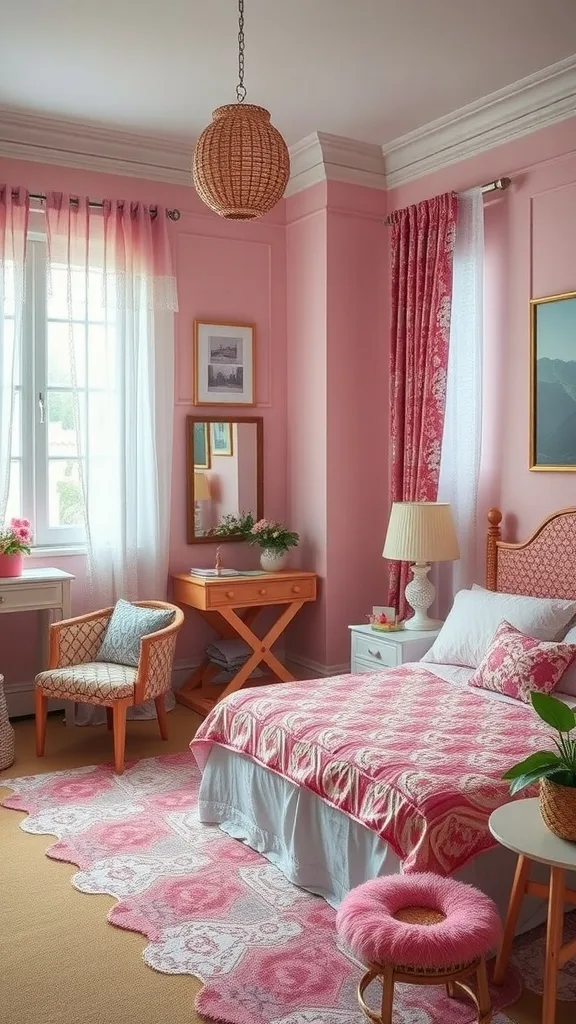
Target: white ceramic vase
{"x": 273, "y": 561}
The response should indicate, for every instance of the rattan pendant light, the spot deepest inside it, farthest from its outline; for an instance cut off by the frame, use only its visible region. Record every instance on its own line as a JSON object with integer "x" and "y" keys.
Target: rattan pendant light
{"x": 241, "y": 163}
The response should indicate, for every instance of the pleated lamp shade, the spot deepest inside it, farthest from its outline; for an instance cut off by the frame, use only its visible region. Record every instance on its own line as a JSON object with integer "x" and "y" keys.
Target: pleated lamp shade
{"x": 241, "y": 163}
{"x": 421, "y": 531}
{"x": 201, "y": 487}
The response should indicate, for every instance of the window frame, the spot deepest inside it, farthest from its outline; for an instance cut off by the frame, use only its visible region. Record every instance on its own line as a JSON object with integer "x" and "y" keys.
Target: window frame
{"x": 34, "y": 458}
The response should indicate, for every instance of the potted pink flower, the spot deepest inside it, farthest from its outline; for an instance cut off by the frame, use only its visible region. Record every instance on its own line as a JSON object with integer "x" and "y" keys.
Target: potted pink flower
{"x": 15, "y": 540}
{"x": 275, "y": 541}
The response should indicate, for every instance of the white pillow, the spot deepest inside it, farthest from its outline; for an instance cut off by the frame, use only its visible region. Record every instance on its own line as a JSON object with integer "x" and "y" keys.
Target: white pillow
{"x": 567, "y": 682}
{"x": 561, "y": 632}
{"x": 476, "y": 614}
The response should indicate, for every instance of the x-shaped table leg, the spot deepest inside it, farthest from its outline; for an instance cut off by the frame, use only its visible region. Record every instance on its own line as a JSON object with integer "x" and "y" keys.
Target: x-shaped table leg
{"x": 260, "y": 647}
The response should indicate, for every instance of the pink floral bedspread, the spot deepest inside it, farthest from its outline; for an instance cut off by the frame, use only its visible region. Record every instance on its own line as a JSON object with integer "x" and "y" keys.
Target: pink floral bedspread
{"x": 413, "y": 758}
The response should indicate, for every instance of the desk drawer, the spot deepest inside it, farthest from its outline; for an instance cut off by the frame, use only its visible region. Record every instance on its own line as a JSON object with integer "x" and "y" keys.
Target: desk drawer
{"x": 15, "y": 598}
{"x": 374, "y": 652}
{"x": 259, "y": 591}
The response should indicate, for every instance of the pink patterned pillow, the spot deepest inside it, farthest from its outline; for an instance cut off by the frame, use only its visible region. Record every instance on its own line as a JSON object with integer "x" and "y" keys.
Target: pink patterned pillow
{"x": 515, "y": 664}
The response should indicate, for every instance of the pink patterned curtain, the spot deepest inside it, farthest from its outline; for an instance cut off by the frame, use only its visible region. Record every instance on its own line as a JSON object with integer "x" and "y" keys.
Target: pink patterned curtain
{"x": 422, "y": 251}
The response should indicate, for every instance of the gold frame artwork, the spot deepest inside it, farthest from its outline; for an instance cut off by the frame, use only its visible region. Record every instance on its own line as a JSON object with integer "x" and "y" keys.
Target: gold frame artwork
{"x": 201, "y": 396}
{"x": 214, "y": 449}
{"x": 533, "y": 464}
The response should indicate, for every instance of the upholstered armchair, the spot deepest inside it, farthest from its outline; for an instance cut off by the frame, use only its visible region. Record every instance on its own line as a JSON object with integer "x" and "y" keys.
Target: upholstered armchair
{"x": 74, "y": 674}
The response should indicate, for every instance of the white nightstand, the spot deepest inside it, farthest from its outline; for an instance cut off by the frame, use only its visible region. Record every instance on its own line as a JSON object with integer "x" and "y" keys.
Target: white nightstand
{"x": 372, "y": 650}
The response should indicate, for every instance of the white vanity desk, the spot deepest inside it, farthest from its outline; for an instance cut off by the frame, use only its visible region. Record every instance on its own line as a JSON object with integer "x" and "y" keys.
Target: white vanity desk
{"x": 45, "y": 591}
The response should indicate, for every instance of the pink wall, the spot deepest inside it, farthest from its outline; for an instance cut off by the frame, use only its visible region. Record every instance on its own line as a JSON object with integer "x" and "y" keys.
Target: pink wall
{"x": 337, "y": 407}
{"x": 246, "y": 454}
{"x": 530, "y": 252}
{"x": 306, "y": 279}
{"x": 233, "y": 271}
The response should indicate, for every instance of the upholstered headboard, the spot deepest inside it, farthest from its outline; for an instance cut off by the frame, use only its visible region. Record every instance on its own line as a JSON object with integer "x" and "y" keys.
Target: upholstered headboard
{"x": 542, "y": 566}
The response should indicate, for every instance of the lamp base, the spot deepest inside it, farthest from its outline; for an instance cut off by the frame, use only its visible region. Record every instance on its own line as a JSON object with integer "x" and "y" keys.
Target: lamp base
{"x": 420, "y": 593}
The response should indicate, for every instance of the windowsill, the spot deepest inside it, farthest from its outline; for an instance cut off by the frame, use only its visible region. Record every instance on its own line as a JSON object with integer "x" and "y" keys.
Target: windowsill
{"x": 63, "y": 551}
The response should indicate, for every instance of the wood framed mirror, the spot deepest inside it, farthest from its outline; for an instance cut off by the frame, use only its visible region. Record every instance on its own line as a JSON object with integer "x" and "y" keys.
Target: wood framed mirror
{"x": 224, "y": 473}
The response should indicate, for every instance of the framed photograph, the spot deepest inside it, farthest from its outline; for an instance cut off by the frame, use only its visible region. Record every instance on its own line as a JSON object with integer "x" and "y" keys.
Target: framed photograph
{"x": 553, "y": 383}
{"x": 221, "y": 439}
{"x": 224, "y": 364}
{"x": 201, "y": 446}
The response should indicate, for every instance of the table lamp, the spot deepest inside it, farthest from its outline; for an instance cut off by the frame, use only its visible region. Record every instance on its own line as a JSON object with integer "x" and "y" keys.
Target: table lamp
{"x": 421, "y": 532}
{"x": 201, "y": 493}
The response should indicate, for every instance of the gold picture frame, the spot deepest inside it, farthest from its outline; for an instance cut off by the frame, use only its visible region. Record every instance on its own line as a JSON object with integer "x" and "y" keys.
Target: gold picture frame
{"x": 553, "y": 384}
{"x": 224, "y": 363}
{"x": 221, "y": 439}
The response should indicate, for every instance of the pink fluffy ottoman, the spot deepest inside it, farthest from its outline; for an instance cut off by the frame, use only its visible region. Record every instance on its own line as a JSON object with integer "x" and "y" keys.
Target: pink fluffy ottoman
{"x": 420, "y": 928}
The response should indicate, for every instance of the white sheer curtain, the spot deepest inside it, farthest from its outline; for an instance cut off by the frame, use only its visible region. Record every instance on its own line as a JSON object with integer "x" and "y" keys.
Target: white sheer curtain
{"x": 462, "y": 439}
{"x": 121, "y": 297}
{"x": 14, "y": 214}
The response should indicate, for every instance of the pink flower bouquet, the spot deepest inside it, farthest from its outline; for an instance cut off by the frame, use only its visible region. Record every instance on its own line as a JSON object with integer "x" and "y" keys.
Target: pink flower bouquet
{"x": 16, "y": 538}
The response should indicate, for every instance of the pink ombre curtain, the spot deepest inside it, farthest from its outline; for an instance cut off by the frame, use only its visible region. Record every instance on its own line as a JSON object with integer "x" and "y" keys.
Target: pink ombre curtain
{"x": 111, "y": 268}
{"x": 422, "y": 251}
{"x": 14, "y": 214}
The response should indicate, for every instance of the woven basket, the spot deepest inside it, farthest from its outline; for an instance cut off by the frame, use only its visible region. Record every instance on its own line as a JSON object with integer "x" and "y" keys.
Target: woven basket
{"x": 6, "y": 732}
{"x": 241, "y": 163}
{"x": 558, "y": 809}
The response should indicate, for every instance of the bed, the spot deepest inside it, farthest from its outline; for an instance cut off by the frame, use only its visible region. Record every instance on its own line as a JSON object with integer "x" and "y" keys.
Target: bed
{"x": 290, "y": 769}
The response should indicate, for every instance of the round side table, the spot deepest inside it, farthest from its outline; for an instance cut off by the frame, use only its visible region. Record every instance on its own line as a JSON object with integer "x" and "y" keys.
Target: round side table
{"x": 519, "y": 827}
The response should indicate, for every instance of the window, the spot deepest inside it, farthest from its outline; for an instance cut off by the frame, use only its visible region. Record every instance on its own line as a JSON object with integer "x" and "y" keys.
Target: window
{"x": 60, "y": 401}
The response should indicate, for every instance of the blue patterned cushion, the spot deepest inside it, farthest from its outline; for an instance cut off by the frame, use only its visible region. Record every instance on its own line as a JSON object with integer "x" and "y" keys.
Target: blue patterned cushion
{"x": 128, "y": 624}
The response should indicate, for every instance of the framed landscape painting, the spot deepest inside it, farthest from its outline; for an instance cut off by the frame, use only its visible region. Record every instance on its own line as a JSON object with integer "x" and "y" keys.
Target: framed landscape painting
{"x": 224, "y": 364}
{"x": 553, "y": 383}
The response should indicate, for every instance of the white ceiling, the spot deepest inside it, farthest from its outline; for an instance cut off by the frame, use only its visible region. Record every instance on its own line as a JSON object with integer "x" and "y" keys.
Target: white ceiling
{"x": 366, "y": 69}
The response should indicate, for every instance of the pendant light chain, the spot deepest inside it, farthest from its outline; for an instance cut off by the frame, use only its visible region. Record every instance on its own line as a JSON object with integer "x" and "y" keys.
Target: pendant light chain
{"x": 241, "y": 162}
{"x": 240, "y": 88}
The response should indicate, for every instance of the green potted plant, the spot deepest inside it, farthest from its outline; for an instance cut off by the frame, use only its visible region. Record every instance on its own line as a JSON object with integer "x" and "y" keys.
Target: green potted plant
{"x": 234, "y": 526}
{"x": 555, "y": 770}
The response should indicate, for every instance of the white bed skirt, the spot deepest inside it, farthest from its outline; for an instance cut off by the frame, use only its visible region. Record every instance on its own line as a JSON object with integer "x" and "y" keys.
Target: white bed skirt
{"x": 320, "y": 848}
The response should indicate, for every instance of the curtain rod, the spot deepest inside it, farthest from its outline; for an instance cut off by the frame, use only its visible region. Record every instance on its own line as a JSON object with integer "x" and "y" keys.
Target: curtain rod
{"x": 95, "y": 204}
{"x": 499, "y": 185}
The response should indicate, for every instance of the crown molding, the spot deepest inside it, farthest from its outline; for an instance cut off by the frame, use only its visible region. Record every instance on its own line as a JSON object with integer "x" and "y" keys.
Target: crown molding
{"x": 48, "y": 140}
{"x": 325, "y": 157}
{"x": 532, "y": 103}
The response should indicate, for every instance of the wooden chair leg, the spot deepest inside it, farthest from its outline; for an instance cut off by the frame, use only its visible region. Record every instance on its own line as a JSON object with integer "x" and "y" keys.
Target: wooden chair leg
{"x": 41, "y": 703}
{"x": 161, "y": 712}
{"x": 119, "y": 722}
{"x": 484, "y": 1002}
{"x": 109, "y": 719}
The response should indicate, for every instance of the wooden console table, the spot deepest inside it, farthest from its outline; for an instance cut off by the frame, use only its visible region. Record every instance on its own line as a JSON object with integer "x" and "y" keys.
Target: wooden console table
{"x": 217, "y": 601}
{"x": 44, "y": 591}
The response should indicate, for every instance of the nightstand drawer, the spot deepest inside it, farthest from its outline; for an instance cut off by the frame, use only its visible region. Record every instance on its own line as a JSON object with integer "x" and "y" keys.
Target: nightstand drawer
{"x": 374, "y": 652}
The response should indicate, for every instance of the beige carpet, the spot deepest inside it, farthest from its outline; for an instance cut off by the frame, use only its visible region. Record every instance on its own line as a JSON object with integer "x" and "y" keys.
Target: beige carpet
{"x": 60, "y": 960}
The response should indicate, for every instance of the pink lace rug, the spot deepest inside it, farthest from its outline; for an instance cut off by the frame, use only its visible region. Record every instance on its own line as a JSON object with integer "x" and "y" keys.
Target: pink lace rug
{"x": 265, "y": 950}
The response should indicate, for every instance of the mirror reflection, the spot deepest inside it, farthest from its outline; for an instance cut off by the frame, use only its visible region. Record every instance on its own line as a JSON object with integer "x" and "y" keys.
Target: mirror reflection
{"x": 224, "y": 473}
